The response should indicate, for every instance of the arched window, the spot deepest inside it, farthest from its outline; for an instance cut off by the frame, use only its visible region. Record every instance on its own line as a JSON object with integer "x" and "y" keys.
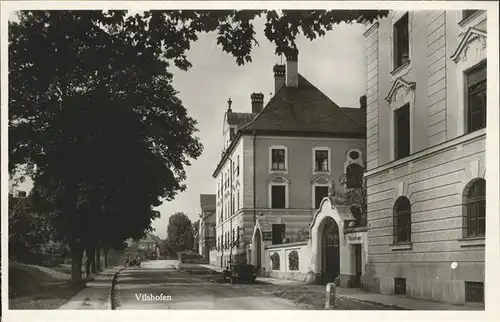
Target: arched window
{"x": 354, "y": 174}
{"x": 275, "y": 259}
{"x": 293, "y": 261}
{"x": 402, "y": 220}
{"x": 476, "y": 208}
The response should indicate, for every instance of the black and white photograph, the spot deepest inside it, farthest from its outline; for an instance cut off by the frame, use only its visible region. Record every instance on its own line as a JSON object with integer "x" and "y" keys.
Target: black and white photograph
{"x": 253, "y": 156}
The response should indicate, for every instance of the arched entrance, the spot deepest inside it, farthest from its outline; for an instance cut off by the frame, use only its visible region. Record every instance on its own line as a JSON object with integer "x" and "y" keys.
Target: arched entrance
{"x": 330, "y": 251}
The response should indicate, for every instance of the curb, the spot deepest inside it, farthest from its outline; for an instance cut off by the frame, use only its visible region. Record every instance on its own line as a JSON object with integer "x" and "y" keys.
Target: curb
{"x": 112, "y": 293}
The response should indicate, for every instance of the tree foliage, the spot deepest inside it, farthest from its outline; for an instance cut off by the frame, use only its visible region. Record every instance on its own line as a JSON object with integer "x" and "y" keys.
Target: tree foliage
{"x": 180, "y": 233}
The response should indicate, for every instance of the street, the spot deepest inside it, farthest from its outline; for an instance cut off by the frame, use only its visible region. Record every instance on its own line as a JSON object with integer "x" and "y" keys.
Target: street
{"x": 182, "y": 290}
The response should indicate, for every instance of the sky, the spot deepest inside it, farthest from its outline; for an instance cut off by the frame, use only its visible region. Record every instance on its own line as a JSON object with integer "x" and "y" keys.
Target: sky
{"x": 335, "y": 64}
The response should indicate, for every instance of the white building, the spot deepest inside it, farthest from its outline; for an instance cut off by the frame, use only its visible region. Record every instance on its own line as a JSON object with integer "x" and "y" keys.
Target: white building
{"x": 426, "y": 133}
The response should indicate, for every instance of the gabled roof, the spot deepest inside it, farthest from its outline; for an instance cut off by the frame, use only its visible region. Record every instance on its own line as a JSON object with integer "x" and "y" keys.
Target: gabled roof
{"x": 239, "y": 119}
{"x": 305, "y": 109}
{"x": 208, "y": 202}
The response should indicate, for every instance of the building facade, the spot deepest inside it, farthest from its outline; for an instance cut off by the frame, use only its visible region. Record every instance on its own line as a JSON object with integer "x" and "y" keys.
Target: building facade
{"x": 426, "y": 136}
{"x": 206, "y": 230}
{"x": 280, "y": 161}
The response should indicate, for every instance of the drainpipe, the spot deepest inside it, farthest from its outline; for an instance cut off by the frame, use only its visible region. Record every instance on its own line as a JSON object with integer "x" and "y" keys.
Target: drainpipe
{"x": 230, "y": 208}
{"x": 254, "y": 195}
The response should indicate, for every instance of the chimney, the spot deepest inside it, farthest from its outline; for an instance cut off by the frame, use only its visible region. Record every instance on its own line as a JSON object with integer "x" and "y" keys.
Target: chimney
{"x": 362, "y": 101}
{"x": 279, "y": 77}
{"x": 292, "y": 69}
{"x": 257, "y": 102}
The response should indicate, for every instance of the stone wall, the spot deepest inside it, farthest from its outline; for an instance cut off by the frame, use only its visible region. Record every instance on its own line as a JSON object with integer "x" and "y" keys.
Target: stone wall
{"x": 300, "y": 273}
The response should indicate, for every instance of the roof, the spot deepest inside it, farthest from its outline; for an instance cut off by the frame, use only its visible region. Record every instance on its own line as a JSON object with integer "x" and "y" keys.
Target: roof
{"x": 301, "y": 111}
{"x": 147, "y": 239}
{"x": 357, "y": 114}
{"x": 208, "y": 202}
{"x": 239, "y": 119}
{"x": 305, "y": 109}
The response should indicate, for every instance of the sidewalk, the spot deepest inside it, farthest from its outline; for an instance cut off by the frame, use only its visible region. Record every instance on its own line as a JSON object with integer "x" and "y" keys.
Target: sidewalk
{"x": 403, "y": 301}
{"x": 400, "y": 301}
{"x": 96, "y": 295}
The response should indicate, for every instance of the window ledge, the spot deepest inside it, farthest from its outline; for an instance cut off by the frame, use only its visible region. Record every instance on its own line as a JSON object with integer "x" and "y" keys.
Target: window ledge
{"x": 466, "y": 20}
{"x": 402, "y": 246}
{"x": 278, "y": 171}
{"x": 322, "y": 172}
{"x": 399, "y": 69}
{"x": 472, "y": 242}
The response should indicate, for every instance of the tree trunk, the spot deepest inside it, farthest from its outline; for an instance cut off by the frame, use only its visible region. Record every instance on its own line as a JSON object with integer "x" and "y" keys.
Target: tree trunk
{"x": 91, "y": 258}
{"x": 105, "y": 251}
{"x": 76, "y": 261}
{"x": 98, "y": 258}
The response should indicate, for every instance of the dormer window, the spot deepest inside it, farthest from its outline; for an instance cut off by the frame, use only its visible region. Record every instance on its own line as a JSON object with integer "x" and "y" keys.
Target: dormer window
{"x": 231, "y": 133}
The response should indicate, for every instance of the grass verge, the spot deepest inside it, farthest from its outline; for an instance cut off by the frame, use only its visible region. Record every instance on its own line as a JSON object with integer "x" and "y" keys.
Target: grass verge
{"x": 35, "y": 288}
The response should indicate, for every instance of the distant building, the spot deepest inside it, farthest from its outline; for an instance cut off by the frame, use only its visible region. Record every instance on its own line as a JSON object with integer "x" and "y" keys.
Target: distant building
{"x": 279, "y": 162}
{"x": 426, "y": 141}
{"x": 206, "y": 230}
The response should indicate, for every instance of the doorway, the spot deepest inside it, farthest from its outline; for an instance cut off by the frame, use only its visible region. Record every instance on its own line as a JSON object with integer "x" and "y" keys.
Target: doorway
{"x": 330, "y": 269}
{"x": 358, "y": 265}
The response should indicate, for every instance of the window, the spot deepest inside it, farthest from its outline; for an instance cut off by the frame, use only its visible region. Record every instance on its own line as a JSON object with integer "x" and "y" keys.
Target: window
{"x": 233, "y": 235}
{"x": 354, "y": 155}
{"x": 402, "y": 220}
{"x": 320, "y": 192}
{"x": 400, "y": 286}
{"x": 474, "y": 292}
{"x": 238, "y": 234}
{"x": 233, "y": 204}
{"x": 476, "y": 98}
{"x": 278, "y": 233}
{"x": 231, "y": 134}
{"x": 278, "y": 197}
{"x": 402, "y": 132}
{"x": 476, "y": 209}
{"x": 467, "y": 13}
{"x": 354, "y": 174}
{"x": 275, "y": 262}
{"x": 293, "y": 261}
{"x": 321, "y": 160}
{"x": 401, "y": 42}
{"x": 238, "y": 201}
{"x": 278, "y": 159}
{"x": 238, "y": 165}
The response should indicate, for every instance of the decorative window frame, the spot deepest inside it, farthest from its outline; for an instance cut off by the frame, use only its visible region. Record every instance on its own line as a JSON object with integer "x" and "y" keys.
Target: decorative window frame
{"x": 315, "y": 184}
{"x": 272, "y": 183}
{"x": 322, "y": 148}
{"x": 400, "y": 94}
{"x": 277, "y": 147}
{"x": 350, "y": 161}
{"x": 402, "y": 70}
{"x": 471, "y": 51}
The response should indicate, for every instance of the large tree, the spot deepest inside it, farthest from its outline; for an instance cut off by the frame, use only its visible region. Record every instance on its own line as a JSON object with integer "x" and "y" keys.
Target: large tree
{"x": 95, "y": 119}
{"x": 180, "y": 233}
